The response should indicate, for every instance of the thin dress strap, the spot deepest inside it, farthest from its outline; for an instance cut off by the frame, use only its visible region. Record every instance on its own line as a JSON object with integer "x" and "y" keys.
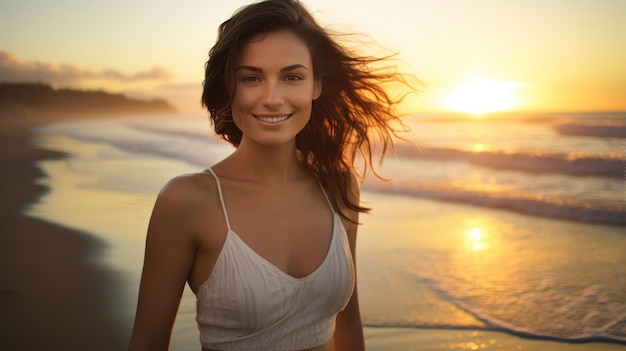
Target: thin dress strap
{"x": 326, "y": 196}
{"x": 219, "y": 190}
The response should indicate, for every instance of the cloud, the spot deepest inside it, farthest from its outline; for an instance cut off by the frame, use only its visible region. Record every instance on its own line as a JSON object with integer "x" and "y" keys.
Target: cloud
{"x": 14, "y": 70}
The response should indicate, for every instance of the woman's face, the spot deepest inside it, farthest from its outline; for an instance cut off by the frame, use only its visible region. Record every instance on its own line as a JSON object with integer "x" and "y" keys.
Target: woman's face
{"x": 274, "y": 88}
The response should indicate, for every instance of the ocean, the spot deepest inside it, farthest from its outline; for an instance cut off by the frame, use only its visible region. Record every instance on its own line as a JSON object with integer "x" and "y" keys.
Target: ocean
{"x": 513, "y": 223}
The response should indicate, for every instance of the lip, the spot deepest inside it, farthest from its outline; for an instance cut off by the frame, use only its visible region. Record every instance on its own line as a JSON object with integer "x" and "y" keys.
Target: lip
{"x": 272, "y": 119}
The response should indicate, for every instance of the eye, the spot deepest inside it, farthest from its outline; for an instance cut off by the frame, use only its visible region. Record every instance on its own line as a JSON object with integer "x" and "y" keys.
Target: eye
{"x": 250, "y": 79}
{"x": 293, "y": 77}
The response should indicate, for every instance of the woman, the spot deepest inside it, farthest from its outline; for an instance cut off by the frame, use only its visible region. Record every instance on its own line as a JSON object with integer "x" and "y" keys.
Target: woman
{"x": 266, "y": 238}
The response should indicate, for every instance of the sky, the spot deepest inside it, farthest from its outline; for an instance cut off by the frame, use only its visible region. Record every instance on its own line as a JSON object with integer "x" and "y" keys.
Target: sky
{"x": 473, "y": 56}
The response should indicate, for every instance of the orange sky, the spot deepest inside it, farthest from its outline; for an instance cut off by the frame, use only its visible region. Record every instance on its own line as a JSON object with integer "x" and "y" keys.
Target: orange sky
{"x": 545, "y": 55}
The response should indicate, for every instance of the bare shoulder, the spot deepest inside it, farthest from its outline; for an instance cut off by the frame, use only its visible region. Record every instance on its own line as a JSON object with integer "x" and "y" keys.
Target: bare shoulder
{"x": 185, "y": 201}
{"x": 354, "y": 196}
{"x": 354, "y": 187}
{"x": 188, "y": 188}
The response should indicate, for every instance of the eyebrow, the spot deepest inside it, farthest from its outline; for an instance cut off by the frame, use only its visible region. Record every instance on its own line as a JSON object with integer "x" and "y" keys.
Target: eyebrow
{"x": 282, "y": 70}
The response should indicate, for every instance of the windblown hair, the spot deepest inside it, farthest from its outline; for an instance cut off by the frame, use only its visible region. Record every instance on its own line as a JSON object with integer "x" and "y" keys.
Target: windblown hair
{"x": 353, "y": 112}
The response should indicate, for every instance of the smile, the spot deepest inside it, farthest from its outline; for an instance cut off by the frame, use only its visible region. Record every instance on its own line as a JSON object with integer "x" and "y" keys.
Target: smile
{"x": 272, "y": 119}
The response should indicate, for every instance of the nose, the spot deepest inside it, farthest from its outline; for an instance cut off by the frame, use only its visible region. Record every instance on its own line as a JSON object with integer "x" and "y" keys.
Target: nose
{"x": 272, "y": 96}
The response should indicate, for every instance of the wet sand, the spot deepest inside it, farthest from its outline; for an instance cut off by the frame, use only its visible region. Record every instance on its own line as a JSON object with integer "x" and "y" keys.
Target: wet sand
{"x": 53, "y": 295}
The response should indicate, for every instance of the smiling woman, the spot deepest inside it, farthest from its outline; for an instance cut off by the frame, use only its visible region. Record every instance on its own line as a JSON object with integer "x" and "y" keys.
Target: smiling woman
{"x": 480, "y": 96}
{"x": 266, "y": 237}
{"x": 275, "y": 85}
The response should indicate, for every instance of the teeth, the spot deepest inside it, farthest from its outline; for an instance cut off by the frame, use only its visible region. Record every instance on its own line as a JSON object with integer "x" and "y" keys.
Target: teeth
{"x": 272, "y": 119}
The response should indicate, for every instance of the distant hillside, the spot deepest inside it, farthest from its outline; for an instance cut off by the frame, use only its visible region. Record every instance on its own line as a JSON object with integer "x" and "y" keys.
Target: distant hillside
{"x": 41, "y": 96}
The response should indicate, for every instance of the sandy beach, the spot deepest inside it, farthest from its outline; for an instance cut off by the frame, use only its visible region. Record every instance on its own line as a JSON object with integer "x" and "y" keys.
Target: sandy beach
{"x": 52, "y": 295}
{"x": 56, "y": 293}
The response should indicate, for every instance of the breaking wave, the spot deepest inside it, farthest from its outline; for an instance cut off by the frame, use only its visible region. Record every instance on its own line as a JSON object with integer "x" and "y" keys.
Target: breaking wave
{"x": 578, "y": 164}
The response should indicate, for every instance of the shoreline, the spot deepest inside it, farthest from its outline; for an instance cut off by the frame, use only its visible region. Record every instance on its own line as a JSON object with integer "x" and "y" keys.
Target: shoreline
{"x": 53, "y": 293}
{"x": 85, "y": 315}
{"x": 427, "y": 339}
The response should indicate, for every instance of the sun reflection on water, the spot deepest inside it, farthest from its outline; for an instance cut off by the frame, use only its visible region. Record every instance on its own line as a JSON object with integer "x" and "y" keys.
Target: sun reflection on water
{"x": 475, "y": 238}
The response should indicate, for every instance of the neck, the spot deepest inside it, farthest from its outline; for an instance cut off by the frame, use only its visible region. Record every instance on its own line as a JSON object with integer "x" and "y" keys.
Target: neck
{"x": 272, "y": 165}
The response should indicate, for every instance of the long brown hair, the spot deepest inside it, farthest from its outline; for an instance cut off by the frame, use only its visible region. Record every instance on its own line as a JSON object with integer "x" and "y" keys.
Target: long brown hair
{"x": 353, "y": 113}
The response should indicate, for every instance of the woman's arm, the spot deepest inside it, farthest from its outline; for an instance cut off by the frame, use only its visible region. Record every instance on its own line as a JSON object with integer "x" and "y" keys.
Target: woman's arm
{"x": 349, "y": 328}
{"x": 169, "y": 255}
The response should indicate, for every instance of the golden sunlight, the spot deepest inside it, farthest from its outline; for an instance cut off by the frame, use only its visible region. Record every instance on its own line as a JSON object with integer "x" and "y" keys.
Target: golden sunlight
{"x": 480, "y": 96}
{"x": 476, "y": 238}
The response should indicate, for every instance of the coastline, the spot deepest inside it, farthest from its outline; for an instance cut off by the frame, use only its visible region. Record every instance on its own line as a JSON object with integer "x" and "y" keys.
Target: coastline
{"x": 77, "y": 308}
{"x": 435, "y": 339}
{"x": 53, "y": 295}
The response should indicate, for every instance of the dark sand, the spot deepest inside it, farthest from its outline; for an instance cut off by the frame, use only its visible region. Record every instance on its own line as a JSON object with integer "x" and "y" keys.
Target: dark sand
{"x": 53, "y": 295}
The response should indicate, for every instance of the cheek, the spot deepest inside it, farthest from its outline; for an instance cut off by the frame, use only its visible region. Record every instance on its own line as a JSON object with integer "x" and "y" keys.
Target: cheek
{"x": 239, "y": 98}
{"x": 241, "y": 101}
{"x": 238, "y": 109}
{"x": 303, "y": 98}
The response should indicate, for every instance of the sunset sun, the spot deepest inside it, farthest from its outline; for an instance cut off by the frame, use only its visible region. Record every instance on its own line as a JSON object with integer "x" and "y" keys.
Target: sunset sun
{"x": 480, "y": 96}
